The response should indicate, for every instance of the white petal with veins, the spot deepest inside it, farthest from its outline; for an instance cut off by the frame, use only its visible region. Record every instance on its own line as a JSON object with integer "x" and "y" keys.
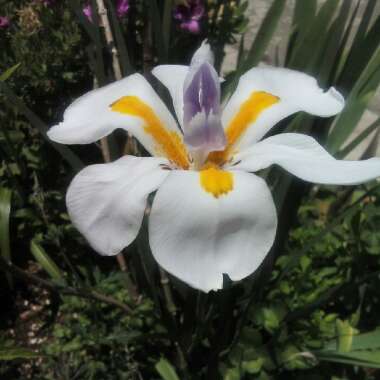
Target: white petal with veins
{"x": 302, "y": 156}
{"x": 296, "y": 92}
{"x": 198, "y": 237}
{"x": 106, "y": 202}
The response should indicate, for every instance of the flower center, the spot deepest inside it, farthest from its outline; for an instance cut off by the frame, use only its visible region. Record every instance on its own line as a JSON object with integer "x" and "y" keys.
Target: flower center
{"x": 215, "y": 181}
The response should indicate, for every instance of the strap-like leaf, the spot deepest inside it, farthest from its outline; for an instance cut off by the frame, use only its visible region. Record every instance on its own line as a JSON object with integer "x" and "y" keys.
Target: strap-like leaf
{"x": 5, "y": 210}
{"x": 8, "y": 73}
{"x": 166, "y": 370}
{"x": 45, "y": 261}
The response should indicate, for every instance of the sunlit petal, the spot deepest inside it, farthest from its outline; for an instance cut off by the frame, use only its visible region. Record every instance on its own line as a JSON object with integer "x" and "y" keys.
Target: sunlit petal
{"x": 106, "y": 202}
{"x": 266, "y": 95}
{"x": 203, "y": 225}
{"x": 97, "y": 113}
{"x": 302, "y": 156}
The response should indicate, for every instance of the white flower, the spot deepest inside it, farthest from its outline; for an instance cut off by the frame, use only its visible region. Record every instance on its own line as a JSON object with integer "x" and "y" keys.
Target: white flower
{"x": 210, "y": 216}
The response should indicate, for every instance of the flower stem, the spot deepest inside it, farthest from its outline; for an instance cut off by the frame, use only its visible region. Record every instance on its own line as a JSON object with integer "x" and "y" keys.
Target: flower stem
{"x": 105, "y": 22}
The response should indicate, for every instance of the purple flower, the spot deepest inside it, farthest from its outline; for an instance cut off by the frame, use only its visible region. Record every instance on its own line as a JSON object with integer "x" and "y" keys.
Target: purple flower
{"x": 4, "y": 22}
{"x": 189, "y": 15}
{"x": 87, "y": 11}
{"x": 122, "y": 7}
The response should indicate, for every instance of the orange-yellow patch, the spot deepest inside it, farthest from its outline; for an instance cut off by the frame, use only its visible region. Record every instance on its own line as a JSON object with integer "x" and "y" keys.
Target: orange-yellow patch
{"x": 249, "y": 111}
{"x": 216, "y": 182}
{"x": 168, "y": 143}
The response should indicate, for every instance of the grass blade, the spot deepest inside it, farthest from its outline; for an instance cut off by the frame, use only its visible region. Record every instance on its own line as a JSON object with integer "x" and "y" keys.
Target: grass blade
{"x": 8, "y": 73}
{"x": 166, "y": 370}
{"x": 360, "y": 138}
{"x": 5, "y": 211}
{"x": 309, "y": 45}
{"x": 45, "y": 261}
{"x": 304, "y": 13}
{"x": 357, "y": 102}
{"x": 264, "y": 34}
{"x": 166, "y": 25}
{"x": 259, "y": 45}
{"x": 12, "y": 353}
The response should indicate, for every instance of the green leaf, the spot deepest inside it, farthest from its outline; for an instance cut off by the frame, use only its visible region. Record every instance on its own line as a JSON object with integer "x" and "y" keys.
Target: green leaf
{"x": 364, "y": 350}
{"x": 358, "y": 139}
{"x": 345, "y": 333}
{"x": 335, "y": 35}
{"x": 365, "y": 341}
{"x": 308, "y": 46}
{"x": 360, "y": 53}
{"x": 370, "y": 359}
{"x": 166, "y": 370}
{"x": 304, "y": 13}
{"x": 264, "y": 34}
{"x": 12, "y": 353}
{"x": 45, "y": 261}
{"x": 357, "y": 102}
{"x": 166, "y": 25}
{"x": 158, "y": 37}
{"x": 5, "y": 210}
{"x": 259, "y": 45}
{"x": 8, "y": 73}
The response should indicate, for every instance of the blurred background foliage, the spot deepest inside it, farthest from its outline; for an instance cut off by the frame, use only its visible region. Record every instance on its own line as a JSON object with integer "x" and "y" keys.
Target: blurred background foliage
{"x": 66, "y": 313}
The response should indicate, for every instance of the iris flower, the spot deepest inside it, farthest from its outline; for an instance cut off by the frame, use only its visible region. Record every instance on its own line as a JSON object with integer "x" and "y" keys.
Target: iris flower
{"x": 210, "y": 215}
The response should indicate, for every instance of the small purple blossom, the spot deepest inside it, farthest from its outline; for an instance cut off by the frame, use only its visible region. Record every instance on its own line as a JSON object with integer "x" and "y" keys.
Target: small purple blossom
{"x": 189, "y": 15}
{"x": 4, "y": 22}
{"x": 122, "y": 8}
{"x": 87, "y": 11}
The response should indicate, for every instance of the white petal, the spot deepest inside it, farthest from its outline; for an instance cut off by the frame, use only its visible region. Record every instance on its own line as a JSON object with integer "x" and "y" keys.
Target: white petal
{"x": 90, "y": 117}
{"x": 198, "y": 237}
{"x": 203, "y": 54}
{"x": 302, "y": 156}
{"x": 296, "y": 91}
{"x": 173, "y": 78}
{"x": 106, "y": 202}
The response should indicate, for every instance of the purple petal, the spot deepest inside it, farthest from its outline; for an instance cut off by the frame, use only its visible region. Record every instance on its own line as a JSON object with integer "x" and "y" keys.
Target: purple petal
{"x": 202, "y": 121}
{"x": 191, "y": 26}
{"x": 122, "y": 7}
{"x": 205, "y": 132}
{"x": 190, "y": 15}
{"x": 202, "y": 94}
{"x": 4, "y": 22}
{"x": 87, "y": 11}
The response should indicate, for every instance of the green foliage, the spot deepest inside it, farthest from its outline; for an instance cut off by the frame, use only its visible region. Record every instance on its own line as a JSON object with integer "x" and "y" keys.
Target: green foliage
{"x": 297, "y": 324}
{"x": 101, "y": 342}
{"x": 166, "y": 370}
{"x": 308, "y": 319}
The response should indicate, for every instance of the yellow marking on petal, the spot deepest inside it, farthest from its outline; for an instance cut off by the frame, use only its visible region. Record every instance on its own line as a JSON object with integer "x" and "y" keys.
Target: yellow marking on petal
{"x": 249, "y": 111}
{"x": 215, "y": 181}
{"x": 169, "y": 143}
